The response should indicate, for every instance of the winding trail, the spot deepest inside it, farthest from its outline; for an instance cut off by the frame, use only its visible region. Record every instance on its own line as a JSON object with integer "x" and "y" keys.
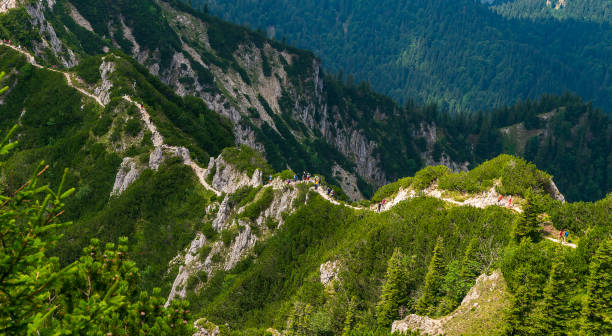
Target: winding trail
{"x": 482, "y": 200}
{"x": 157, "y": 138}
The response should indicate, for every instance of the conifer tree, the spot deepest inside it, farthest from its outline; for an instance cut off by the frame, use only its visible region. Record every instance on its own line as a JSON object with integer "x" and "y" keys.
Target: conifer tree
{"x": 528, "y": 223}
{"x": 433, "y": 282}
{"x": 349, "y": 320}
{"x": 521, "y": 301}
{"x": 597, "y": 311}
{"x": 553, "y": 312}
{"x": 394, "y": 291}
{"x": 470, "y": 267}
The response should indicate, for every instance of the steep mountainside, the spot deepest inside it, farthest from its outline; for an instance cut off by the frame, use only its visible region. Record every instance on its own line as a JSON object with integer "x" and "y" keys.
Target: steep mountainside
{"x": 164, "y": 170}
{"x": 277, "y": 98}
{"x": 459, "y": 54}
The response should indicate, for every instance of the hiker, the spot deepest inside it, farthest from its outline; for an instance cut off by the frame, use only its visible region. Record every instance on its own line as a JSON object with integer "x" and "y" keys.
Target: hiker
{"x": 295, "y": 178}
{"x": 565, "y": 236}
{"x": 510, "y": 202}
{"x": 500, "y": 198}
{"x": 307, "y": 177}
{"x": 379, "y": 205}
{"x": 332, "y": 194}
{"x": 270, "y": 179}
{"x": 561, "y": 235}
{"x": 328, "y": 191}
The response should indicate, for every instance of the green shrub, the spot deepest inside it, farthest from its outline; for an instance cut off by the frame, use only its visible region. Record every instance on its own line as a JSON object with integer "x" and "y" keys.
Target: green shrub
{"x": 89, "y": 69}
{"x": 117, "y": 130}
{"x": 204, "y": 252}
{"x": 246, "y": 159}
{"x": 253, "y": 210}
{"x": 209, "y": 232}
{"x": 286, "y": 174}
{"x": 243, "y": 195}
{"x": 133, "y": 127}
{"x": 271, "y": 223}
{"x": 518, "y": 177}
{"x": 103, "y": 125}
{"x": 227, "y": 236}
{"x": 391, "y": 189}
{"x": 426, "y": 176}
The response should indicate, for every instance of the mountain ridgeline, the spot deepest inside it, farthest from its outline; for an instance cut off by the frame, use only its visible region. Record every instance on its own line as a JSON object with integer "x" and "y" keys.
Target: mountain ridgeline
{"x": 170, "y": 120}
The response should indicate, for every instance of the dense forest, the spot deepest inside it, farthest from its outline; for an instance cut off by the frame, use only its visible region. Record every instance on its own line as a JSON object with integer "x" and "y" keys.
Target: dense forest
{"x": 458, "y": 54}
{"x": 599, "y": 11}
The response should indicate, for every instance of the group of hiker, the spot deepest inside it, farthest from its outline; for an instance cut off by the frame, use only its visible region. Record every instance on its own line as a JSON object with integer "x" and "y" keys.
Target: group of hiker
{"x": 563, "y": 235}
{"x": 381, "y": 205}
{"x": 501, "y": 198}
{"x": 308, "y": 178}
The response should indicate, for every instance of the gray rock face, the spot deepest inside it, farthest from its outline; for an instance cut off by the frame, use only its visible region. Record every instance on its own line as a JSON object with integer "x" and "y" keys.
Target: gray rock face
{"x": 222, "y": 215}
{"x": 128, "y": 173}
{"x": 554, "y": 192}
{"x": 415, "y": 322}
{"x": 228, "y": 179}
{"x": 244, "y": 241}
{"x": 205, "y": 332}
{"x": 48, "y": 36}
{"x": 156, "y": 158}
{"x": 104, "y": 90}
{"x": 78, "y": 18}
{"x": 329, "y": 272}
{"x": 191, "y": 260}
{"x": 5, "y": 5}
{"x": 429, "y": 133}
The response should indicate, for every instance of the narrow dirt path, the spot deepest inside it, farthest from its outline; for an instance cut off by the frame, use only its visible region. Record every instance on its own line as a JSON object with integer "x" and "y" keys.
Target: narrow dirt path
{"x": 32, "y": 61}
{"x": 561, "y": 242}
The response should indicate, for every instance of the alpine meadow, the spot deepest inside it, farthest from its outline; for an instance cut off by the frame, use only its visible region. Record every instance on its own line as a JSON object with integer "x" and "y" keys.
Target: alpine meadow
{"x": 429, "y": 168}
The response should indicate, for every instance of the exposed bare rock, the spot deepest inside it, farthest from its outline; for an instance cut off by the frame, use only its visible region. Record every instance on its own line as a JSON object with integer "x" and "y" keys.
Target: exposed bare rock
{"x": 103, "y": 92}
{"x": 78, "y": 18}
{"x": 205, "y": 328}
{"x": 128, "y": 173}
{"x": 415, "y": 322}
{"x": 222, "y": 214}
{"x": 48, "y": 36}
{"x": 127, "y": 33}
{"x": 227, "y": 179}
{"x": 5, "y": 5}
{"x": 429, "y": 133}
{"x": 156, "y": 158}
{"x": 191, "y": 260}
{"x": 348, "y": 182}
{"x": 244, "y": 241}
{"x": 329, "y": 272}
{"x": 283, "y": 202}
{"x": 554, "y": 192}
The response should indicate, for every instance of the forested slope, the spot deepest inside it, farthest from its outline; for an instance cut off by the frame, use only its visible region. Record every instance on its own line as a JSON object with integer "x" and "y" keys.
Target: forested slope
{"x": 459, "y": 54}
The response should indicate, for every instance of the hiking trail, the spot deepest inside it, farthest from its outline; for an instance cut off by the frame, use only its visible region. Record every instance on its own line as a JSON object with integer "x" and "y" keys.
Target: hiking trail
{"x": 481, "y": 200}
